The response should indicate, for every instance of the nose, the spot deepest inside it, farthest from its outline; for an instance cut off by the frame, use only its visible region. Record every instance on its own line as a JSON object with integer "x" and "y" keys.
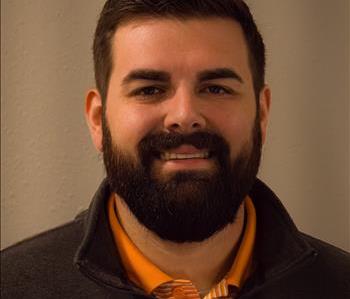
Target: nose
{"x": 184, "y": 114}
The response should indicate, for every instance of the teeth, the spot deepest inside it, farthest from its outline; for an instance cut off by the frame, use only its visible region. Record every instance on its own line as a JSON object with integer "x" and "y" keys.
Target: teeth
{"x": 171, "y": 156}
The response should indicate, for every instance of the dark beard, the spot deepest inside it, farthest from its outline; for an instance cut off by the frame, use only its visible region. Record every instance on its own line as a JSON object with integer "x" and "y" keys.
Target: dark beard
{"x": 188, "y": 206}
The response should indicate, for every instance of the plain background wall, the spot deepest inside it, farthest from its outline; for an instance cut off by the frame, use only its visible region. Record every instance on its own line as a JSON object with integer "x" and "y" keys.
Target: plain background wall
{"x": 50, "y": 170}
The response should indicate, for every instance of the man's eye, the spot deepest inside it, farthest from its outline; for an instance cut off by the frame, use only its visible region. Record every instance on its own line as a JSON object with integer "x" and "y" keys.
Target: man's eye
{"x": 215, "y": 89}
{"x": 148, "y": 91}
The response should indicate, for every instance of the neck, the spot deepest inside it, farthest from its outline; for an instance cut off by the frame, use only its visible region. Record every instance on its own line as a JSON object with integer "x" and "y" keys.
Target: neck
{"x": 186, "y": 260}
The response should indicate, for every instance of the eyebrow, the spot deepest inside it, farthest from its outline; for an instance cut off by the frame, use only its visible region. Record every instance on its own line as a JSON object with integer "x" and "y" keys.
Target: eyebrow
{"x": 219, "y": 73}
{"x": 146, "y": 74}
{"x": 155, "y": 75}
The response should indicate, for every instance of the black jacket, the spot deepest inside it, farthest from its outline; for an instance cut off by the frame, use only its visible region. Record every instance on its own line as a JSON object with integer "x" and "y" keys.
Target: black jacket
{"x": 79, "y": 259}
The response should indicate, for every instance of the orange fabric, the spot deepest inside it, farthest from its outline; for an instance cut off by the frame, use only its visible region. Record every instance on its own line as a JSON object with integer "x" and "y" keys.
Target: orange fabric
{"x": 139, "y": 269}
{"x": 243, "y": 259}
{"x": 151, "y": 279}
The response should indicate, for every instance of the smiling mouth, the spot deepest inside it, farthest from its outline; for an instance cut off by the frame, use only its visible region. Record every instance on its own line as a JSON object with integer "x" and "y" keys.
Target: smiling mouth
{"x": 167, "y": 156}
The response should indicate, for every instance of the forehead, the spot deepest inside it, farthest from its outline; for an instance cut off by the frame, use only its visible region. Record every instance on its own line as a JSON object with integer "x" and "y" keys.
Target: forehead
{"x": 180, "y": 46}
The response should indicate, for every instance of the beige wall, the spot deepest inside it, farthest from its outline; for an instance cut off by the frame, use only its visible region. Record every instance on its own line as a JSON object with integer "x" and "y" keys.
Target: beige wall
{"x": 49, "y": 169}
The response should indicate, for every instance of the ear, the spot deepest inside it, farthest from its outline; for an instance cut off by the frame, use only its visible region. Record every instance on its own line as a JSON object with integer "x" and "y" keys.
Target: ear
{"x": 264, "y": 103}
{"x": 93, "y": 115}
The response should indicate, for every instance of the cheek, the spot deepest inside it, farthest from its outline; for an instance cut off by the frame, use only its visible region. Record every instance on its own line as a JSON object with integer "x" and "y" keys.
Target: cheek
{"x": 128, "y": 125}
{"x": 235, "y": 126}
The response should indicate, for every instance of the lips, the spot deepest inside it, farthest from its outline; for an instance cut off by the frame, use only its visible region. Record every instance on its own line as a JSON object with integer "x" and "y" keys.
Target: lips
{"x": 173, "y": 156}
{"x": 185, "y": 152}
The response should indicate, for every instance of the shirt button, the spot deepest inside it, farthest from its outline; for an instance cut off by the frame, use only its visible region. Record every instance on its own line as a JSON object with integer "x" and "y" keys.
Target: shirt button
{"x": 179, "y": 293}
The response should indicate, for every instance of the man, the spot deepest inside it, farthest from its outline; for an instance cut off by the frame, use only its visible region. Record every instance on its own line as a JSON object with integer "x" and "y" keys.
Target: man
{"x": 180, "y": 113}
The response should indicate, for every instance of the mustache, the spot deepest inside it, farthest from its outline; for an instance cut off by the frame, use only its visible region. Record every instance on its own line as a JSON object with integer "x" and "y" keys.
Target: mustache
{"x": 154, "y": 144}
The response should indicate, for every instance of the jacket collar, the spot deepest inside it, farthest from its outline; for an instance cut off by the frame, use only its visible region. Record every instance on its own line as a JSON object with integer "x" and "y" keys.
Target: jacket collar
{"x": 96, "y": 256}
{"x": 279, "y": 246}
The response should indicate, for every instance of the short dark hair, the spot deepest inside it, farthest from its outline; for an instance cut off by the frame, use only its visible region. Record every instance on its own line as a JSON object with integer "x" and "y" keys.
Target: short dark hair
{"x": 116, "y": 12}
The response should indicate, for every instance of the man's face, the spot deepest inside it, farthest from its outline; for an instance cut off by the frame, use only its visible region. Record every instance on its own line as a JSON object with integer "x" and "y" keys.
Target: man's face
{"x": 181, "y": 132}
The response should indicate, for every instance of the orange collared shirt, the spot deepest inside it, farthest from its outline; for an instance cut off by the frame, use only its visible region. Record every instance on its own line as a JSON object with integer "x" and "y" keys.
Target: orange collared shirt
{"x": 147, "y": 276}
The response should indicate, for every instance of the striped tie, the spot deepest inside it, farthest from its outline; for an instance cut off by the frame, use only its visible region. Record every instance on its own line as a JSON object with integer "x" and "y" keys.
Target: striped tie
{"x": 184, "y": 289}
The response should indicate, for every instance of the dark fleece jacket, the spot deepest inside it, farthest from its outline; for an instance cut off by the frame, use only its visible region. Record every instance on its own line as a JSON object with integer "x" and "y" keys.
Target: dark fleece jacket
{"x": 80, "y": 260}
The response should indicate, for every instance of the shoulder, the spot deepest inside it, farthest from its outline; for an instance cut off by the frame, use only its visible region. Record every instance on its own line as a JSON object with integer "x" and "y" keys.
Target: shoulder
{"x": 36, "y": 267}
{"x": 45, "y": 245}
{"x": 330, "y": 269}
{"x": 332, "y": 257}
{"x": 323, "y": 273}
